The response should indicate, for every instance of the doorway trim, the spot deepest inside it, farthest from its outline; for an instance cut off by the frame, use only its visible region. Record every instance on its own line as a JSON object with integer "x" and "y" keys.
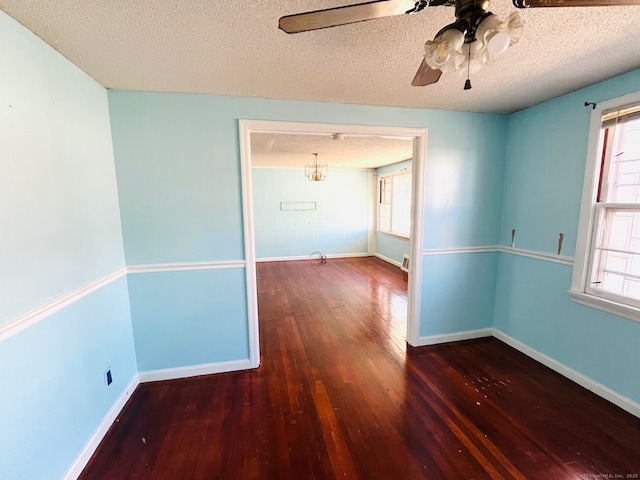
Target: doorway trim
{"x": 414, "y": 287}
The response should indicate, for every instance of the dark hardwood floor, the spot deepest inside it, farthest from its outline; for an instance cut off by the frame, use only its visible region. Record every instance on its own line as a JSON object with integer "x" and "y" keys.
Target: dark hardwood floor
{"x": 339, "y": 395}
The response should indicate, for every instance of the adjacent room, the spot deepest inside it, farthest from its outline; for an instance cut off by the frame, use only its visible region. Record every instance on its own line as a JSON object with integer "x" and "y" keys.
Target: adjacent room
{"x": 393, "y": 239}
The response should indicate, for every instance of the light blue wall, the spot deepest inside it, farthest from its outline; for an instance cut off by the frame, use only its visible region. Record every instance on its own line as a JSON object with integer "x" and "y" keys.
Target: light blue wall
{"x": 464, "y": 182}
{"x": 391, "y": 246}
{"x": 338, "y": 225}
{"x": 458, "y": 292}
{"x": 60, "y": 229}
{"x": 394, "y": 167}
{"x": 57, "y": 183}
{"x": 189, "y": 318}
{"x": 177, "y": 164}
{"x": 53, "y": 393}
{"x": 178, "y": 168}
{"x": 546, "y": 158}
{"x": 178, "y": 177}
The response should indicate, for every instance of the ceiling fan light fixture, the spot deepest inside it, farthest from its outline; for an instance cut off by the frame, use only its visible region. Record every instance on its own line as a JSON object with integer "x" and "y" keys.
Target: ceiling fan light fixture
{"x": 496, "y": 36}
{"x": 498, "y": 43}
{"x": 445, "y": 51}
{"x": 474, "y": 60}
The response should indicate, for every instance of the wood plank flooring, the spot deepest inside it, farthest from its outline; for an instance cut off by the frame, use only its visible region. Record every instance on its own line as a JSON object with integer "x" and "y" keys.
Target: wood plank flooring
{"x": 339, "y": 395}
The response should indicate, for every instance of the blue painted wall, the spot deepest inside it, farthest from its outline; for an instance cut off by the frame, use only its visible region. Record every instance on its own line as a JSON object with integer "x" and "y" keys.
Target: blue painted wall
{"x": 60, "y": 230}
{"x": 178, "y": 168}
{"x": 53, "y": 393}
{"x": 177, "y": 165}
{"x": 57, "y": 184}
{"x": 546, "y": 157}
{"x": 390, "y": 246}
{"x": 187, "y": 318}
{"x": 338, "y": 225}
{"x": 458, "y": 291}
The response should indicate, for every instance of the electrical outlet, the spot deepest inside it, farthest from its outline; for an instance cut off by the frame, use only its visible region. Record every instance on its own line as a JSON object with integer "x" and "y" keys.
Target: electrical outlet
{"x": 359, "y": 245}
{"x": 108, "y": 377}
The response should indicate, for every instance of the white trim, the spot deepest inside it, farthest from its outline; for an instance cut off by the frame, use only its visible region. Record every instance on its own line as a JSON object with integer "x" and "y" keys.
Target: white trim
{"x": 448, "y": 251}
{"x": 547, "y": 257}
{"x": 419, "y": 137}
{"x": 251, "y": 277}
{"x": 455, "y": 337}
{"x": 605, "y": 392}
{"x": 606, "y": 305}
{"x": 194, "y": 370}
{"x": 394, "y": 235}
{"x": 92, "y": 444}
{"x": 307, "y": 257}
{"x": 414, "y": 281}
{"x": 388, "y": 260}
{"x": 179, "y": 267}
{"x": 30, "y": 318}
{"x": 372, "y": 211}
{"x": 585, "y": 224}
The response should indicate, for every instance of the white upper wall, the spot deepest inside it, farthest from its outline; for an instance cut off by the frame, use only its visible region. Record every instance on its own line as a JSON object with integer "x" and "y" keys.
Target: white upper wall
{"x": 59, "y": 216}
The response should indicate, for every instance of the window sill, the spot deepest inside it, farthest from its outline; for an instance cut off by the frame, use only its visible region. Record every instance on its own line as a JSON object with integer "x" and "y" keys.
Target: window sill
{"x": 394, "y": 235}
{"x": 610, "y": 306}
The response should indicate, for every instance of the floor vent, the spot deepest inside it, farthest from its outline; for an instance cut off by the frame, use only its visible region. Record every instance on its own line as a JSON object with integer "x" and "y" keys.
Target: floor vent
{"x": 405, "y": 264}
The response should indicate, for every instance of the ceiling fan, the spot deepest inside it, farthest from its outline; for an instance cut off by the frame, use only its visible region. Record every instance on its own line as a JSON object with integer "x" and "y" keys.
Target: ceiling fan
{"x": 476, "y": 37}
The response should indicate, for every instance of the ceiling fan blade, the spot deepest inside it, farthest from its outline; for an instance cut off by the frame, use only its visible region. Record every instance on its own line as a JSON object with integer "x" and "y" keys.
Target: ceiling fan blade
{"x": 573, "y": 3}
{"x": 332, "y": 17}
{"x": 425, "y": 75}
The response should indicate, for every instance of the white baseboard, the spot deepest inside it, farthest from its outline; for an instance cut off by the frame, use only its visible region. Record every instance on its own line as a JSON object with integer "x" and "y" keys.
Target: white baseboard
{"x": 388, "y": 260}
{"x": 194, "y": 370}
{"x": 90, "y": 447}
{"x": 455, "y": 337}
{"x": 605, "y": 392}
{"x": 314, "y": 257}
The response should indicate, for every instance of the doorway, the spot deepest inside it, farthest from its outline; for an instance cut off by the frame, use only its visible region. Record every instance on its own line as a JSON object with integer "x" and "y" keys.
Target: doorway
{"x": 414, "y": 267}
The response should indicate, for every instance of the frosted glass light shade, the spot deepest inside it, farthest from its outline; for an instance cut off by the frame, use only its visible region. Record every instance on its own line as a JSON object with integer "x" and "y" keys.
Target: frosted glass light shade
{"x": 497, "y": 36}
{"x": 498, "y": 43}
{"x": 448, "y": 52}
{"x": 445, "y": 52}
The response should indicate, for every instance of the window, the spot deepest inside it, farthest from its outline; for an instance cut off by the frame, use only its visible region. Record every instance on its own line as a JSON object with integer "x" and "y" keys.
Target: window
{"x": 607, "y": 271}
{"x": 394, "y": 204}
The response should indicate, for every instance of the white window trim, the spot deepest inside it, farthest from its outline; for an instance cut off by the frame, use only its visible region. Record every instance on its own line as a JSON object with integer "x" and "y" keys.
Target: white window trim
{"x": 380, "y": 177}
{"x": 579, "y": 283}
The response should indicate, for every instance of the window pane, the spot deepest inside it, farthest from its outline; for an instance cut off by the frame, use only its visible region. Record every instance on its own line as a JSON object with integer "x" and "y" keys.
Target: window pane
{"x": 617, "y": 253}
{"x": 384, "y": 220}
{"x": 394, "y": 207}
{"x": 385, "y": 196}
{"x": 619, "y": 274}
{"x": 624, "y": 163}
{"x": 401, "y": 213}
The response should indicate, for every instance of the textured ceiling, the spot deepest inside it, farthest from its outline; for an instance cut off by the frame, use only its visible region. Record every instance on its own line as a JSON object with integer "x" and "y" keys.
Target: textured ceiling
{"x": 235, "y": 48}
{"x": 293, "y": 151}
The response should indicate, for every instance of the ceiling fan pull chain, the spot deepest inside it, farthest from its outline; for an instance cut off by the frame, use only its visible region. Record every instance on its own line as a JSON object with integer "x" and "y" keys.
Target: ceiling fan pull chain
{"x": 418, "y": 7}
{"x": 467, "y": 84}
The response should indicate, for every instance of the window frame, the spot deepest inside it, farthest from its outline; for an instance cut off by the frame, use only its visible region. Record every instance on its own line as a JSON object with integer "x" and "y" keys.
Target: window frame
{"x": 381, "y": 178}
{"x": 580, "y": 290}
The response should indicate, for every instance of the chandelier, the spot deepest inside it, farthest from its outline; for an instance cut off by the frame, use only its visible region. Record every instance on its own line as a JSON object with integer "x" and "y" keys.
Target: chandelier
{"x": 316, "y": 172}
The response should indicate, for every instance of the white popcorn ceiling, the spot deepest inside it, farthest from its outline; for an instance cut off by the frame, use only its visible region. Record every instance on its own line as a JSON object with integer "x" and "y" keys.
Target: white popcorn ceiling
{"x": 293, "y": 151}
{"x": 235, "y": 48}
